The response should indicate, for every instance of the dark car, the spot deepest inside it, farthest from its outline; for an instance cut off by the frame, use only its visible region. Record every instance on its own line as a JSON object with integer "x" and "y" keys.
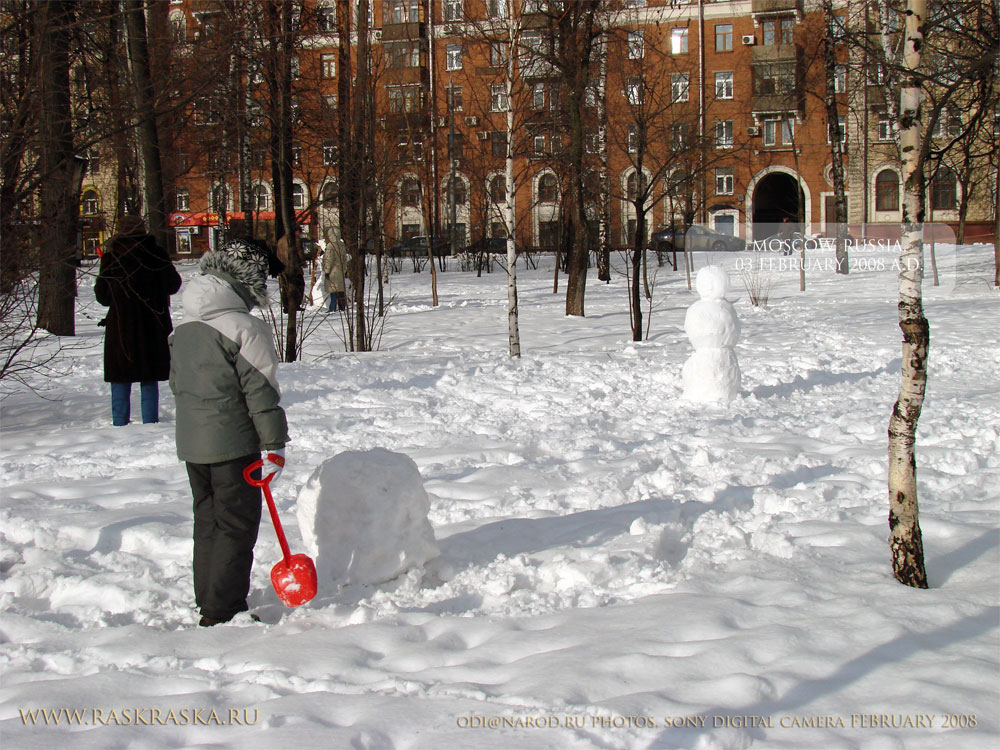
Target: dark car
{"x": 695, "y": 237}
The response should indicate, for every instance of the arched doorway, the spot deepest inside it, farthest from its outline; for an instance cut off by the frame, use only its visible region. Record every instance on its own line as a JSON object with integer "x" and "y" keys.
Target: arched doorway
{"x": 777, "y": 197}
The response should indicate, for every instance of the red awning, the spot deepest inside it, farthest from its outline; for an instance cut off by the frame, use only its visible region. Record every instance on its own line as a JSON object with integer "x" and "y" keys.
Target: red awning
{"x": 211, "y": 218}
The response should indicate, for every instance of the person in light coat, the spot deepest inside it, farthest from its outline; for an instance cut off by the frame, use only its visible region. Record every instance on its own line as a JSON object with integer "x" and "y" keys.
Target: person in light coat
{"x": 223, "y": 373}
{"x": 334, "y": 265}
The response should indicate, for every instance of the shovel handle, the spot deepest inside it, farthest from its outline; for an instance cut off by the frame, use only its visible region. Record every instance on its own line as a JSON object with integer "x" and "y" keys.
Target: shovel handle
{"x": 265, "y": 484}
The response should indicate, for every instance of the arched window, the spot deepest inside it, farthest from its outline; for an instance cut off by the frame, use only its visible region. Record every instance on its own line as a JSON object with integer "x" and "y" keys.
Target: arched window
{"x": 497, "y": 187}
{"x": 456, "y": 187}
{"x": 220, "y": 198}
{"x": 409, "y": 192}
{"x": 178, "y": 25}
{"x": 944, "y": 192}
{"x": 90, "y": 203}
{"x": 887, "y": 191}
{"x": 329, "y": 194}
{"x": 633, "y": 184}
{"x": 183, "y": 199}
{"x": 298, "y": 196}
{"x": 260, "y": 198}
{"x": 548, "y": 188}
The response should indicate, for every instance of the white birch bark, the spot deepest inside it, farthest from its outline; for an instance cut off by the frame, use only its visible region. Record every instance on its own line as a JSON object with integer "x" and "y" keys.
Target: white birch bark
{"x": 905, "y": 540}
{"x": 513, "y": 333}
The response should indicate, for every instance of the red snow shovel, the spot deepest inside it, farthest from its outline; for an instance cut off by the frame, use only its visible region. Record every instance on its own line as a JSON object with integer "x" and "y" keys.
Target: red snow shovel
{"x": 294, "y": 578}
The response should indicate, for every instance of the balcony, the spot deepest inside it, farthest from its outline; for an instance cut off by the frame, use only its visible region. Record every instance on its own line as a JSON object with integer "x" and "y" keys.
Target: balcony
{"x": 776, "y": 6}
{"x": 776, "y": 53}
{"x": 395, "y": 31}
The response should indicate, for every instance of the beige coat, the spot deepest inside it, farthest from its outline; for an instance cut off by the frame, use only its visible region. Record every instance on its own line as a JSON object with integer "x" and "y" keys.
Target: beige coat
{"x": 334, "y": 263}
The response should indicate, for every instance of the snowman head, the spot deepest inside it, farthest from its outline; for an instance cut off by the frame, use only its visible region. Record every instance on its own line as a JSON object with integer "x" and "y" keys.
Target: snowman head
{"x": 712, "y": 282}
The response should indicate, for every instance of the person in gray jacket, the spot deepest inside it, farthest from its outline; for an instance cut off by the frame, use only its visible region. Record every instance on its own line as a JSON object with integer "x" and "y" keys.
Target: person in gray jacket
{"x": 223, "y": 369}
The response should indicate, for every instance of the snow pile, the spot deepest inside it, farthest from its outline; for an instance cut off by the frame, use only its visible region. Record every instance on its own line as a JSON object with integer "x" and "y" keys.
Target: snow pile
{"x": 712, "y": 372}
{"x": 363, "y": 516}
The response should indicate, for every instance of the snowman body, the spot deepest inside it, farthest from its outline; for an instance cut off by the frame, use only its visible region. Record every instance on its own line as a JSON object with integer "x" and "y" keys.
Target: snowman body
{"x": 712, "y": 372}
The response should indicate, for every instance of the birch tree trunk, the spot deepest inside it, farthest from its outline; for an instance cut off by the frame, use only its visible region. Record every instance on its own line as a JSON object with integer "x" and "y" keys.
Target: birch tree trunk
{"x": 905, "y": 540}
{"x": 513, "y": 332}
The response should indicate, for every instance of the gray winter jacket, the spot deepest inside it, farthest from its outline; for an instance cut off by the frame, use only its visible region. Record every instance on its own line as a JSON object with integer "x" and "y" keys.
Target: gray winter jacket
{"x": 223, "y": 374}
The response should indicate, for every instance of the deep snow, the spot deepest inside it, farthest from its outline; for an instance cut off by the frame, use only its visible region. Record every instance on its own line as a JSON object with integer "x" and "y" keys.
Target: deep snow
{"x": 623, "y": 566}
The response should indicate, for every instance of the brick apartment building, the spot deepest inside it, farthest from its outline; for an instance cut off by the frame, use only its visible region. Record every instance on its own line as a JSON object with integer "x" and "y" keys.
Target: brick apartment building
{"x": 727, "y": 98}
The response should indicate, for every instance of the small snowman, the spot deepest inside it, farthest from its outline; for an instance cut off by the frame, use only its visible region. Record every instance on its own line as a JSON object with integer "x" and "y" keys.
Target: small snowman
{"x": 712, "y": 372}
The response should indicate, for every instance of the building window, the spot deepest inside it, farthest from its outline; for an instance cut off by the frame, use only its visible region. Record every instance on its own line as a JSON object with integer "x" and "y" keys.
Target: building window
{"x": 455, "y": 97}
{"x": 498, "y": 143}
{"x": 538, "y": 96}
{"x": 724, "y": 134}
{"x": 402, "y": 11}
{"x": 724, "y": 37}
{"x": 678, "y": 41}
{"x": 93, "y": 165}
{"x": 548, "y": 233}
{"x": 456, "y": 145}
{"x": 634, "y": 90}
{"x": 548, "y": 188}
{"x": 178, "y": 26}
{"x": 496, "y": 8}
{"x": 456, "y": 190}
{"x": 90, "y": 204}
{"x": 326, "y": 19}
{"x": 294, "y": 65}
{"x": 769, "y": 29}
{"x": 498, "y": 97}
{"x": 538, "y": 145}
{"x": 453, "y": 57}
{"x": 788, "y": 31}
{"x": 220, "y": 199}
{"x": 633, "y": 186}
{"x": 328, "y": 66}
{"x": 632, "y": 139}
{"x": 679, "y": 136}
{"x": 330, "y": 102}
{"x": 840, "y": 79}
{"x": 724, "y": 85}
{"x": 403, "y": 55}
{"x": 887, "y": 191}
{"x": 679, "y": 83}
{"x": 944, "y": 192}
{"x": 260, "y": 198}
{"x": 724, "y": 181}
{"x": 183, "y": 199}
{"x": 774, "y": 78}
{"x": 949, "y": 124}
{"x": 296, "y": 154}
{"x": 497, "y": 189}
{"x": 453, "y": 10}
{"x": 298, "y": 196}
{"x": 636, "y": 45}
{"x": 779, "y": 132}
{"x": 884, "y": 128}
{"x": 498, "y": 55}
{"x": 329, "y": 153}
{"x": 409, "y": 192}
{"x": 841, "y": 128}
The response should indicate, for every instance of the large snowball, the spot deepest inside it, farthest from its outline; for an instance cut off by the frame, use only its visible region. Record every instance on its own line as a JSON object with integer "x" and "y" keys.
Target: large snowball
{"x": 363, "y": 516}
{"x": 711, "y": 375}
{"x": 712, "y": 282}
{"x": 712, "y": 323}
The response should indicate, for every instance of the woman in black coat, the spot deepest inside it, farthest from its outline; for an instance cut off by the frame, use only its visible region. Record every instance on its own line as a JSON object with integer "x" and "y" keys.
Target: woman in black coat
{"x": 135, "y": 284}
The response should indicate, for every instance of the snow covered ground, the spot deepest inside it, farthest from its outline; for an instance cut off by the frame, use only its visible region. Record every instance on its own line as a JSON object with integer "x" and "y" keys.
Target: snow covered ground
{"x": 618, "y": 568}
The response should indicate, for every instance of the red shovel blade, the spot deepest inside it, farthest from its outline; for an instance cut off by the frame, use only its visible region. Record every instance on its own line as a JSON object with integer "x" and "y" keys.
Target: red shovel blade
{"x": 294, "y": 580}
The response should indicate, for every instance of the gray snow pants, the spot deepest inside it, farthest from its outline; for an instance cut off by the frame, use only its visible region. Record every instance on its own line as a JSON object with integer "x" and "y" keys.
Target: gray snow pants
{"x": 227, "y": 514}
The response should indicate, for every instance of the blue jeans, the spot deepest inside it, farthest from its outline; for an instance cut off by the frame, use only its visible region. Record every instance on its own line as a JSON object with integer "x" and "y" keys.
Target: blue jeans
{"x": 149, "y": 394}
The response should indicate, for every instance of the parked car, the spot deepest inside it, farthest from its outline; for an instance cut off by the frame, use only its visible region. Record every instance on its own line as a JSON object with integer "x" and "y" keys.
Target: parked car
{"x": 695, "y": 237}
